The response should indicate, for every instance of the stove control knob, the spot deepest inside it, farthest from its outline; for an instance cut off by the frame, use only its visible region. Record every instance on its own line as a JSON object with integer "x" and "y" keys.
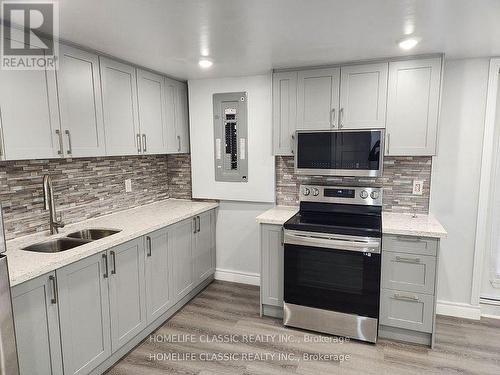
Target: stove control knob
{"x": 374, "y": 195}
{"x": 315, "y": 192}
{"x": 307, "y": 191}
{"x": 363, "y": 194}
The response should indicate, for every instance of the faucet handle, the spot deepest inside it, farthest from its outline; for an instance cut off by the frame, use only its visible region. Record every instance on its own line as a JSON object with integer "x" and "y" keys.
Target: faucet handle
{"x": 59, "y": 221}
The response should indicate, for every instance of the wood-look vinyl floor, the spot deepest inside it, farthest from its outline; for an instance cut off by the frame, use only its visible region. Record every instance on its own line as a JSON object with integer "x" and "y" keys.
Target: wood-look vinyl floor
{"x": 462, "y": 346}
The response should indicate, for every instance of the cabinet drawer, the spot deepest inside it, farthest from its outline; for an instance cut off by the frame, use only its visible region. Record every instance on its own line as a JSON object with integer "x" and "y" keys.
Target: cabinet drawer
{"x": 414, "y": 311}
{"x": 410, "y": 244}
{"x": 408, "y": 272}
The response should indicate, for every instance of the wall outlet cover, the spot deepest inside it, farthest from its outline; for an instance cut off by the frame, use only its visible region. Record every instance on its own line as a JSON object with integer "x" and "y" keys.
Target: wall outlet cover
{"x": 128, "y": 185}
{"x": 418, "y": 187}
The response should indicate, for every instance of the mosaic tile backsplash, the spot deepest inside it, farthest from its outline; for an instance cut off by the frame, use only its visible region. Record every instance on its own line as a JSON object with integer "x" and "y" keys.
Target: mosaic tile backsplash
{"x": 397, "y": 182}
{"x": 87, "y": 188}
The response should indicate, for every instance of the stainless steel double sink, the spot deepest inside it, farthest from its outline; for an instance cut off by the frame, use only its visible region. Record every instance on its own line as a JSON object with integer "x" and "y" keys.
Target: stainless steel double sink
{"x": 71, "y": 241}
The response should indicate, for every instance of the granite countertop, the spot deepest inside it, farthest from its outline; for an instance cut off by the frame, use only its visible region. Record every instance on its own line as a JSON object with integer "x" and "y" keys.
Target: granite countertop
{"x": 392, "y": 223}
{"x": 133, "y": 223}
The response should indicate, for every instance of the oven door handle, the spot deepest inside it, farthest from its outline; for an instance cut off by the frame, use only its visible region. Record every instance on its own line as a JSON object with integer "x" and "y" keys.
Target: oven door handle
{"x": 334, "y": 244}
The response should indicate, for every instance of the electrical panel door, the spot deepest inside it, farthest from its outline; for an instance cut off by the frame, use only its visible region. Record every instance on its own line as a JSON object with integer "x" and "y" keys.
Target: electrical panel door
{"x": 230, "y": 135}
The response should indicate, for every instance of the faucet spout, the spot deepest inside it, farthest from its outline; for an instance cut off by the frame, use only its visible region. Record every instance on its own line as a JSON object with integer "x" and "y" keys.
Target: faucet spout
{"x": 49, "y": 204}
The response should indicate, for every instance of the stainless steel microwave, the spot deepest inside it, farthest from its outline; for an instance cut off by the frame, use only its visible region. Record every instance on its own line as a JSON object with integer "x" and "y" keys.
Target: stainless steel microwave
{"x": 339, "y": 152}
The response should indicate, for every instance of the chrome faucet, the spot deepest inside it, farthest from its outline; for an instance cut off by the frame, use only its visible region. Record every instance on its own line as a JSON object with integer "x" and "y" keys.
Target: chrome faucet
{"x": 48, "y": 201}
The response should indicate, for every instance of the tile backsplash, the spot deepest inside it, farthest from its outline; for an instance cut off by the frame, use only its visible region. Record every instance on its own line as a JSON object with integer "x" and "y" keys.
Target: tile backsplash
{"x": 87, "y": 187}
{"x": 397, "y": 182}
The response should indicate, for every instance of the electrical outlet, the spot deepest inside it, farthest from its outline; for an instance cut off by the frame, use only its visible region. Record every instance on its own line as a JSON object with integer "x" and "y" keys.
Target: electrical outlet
{"x": 418, "y": 187}
{"x": 128, "y": 185}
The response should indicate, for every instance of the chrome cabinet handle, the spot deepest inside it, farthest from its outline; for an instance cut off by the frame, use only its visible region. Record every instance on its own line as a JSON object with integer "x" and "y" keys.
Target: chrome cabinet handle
{"x": 58, "y": 132}
{"x": 332, "y": 118}
{"x": 194, "y": 221}
{"x": 1, "y": 134}
{"x": 388, "y": 143}
{"x": 178, "y": 143}
{"x": 113, "y": 259}
{"x": 293, "y": 144}
{"x": 199, "y": 224}
{"x": 341, "y": 118}
{"x": 148, "y": 240}
{"x": 407, "y": 260}
{"x": 138, "y": 143}
{"x": 282, "y": 236}
{"x": 105, "y": 257}
{"x": 54, "y": 299}
{"x": 70, "y": 148}
{"x": 406, "y": 298}
{"x": 144, "y": 146}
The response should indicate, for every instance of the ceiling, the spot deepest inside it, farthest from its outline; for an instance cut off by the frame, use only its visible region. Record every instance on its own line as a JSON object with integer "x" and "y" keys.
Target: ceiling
{"x": 246, "y": 37}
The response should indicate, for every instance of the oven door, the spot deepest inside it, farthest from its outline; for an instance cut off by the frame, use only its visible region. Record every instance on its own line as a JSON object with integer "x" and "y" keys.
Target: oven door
{"x": 333, "y": 272}
{"x": 339, "y": 152}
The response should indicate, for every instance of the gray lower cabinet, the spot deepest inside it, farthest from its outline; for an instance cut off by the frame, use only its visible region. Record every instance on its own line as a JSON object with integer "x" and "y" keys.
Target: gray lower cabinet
{"x": 159, "y": 289}
{"x": 202, "y": 247}
{"x": 182, "y": 249}
{"x": 127, "y": 292}
{"x": 36, "y": 320}
{"x": 84, "y": 313}
{"x": 272, "y": 269}
{"x": 408, "y": 288}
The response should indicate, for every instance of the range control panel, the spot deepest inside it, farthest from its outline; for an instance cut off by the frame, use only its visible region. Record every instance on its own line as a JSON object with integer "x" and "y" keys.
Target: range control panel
{"x": 230, "y": 134}
{"x": 370, "y": 196}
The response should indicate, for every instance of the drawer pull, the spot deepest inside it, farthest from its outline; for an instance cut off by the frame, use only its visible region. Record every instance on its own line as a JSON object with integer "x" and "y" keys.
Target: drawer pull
{"x": 406, "y": 298}
{"x": 408, "y": 260}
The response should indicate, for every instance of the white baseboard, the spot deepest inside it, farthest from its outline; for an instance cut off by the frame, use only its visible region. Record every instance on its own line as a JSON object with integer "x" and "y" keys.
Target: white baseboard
{"x": 237, "y": 276}
{"x": 458, "y": 310}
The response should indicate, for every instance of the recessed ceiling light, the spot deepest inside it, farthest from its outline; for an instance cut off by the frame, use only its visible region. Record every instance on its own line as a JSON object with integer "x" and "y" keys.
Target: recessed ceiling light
{"x": 408, "y": 43}
{"x": 204, "y": 63}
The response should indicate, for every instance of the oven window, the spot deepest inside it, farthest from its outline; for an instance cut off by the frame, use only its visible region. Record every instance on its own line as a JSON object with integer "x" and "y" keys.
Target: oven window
{"x": 337, "y": 280}
{"x": 359, "y": 150}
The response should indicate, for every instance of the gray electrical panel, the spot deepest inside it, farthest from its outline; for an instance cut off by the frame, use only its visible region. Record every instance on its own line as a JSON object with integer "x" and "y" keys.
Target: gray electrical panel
{"x": 230, "y": 135}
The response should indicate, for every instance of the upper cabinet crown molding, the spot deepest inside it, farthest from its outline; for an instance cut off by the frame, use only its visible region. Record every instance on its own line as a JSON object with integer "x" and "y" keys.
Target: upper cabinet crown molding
{"x": 413, "y": 107}
{"x": 363, "y": 96}
{"x": 79, "y": 87}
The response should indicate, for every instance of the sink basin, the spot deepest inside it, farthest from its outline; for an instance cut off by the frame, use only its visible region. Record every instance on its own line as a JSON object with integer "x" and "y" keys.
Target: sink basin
{"x": 55, "y": 246}
{"x": 93, "y": 234}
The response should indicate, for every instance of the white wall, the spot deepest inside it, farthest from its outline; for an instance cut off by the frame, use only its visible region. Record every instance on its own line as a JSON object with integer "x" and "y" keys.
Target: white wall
{"x": 238, "y": 241}
{"x": 260, "y": 185}
{"x": 456, "y": 175}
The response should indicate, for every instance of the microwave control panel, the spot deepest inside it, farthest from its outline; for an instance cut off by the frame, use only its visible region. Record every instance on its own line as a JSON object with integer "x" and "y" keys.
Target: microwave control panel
{"x": 230, "y": 135}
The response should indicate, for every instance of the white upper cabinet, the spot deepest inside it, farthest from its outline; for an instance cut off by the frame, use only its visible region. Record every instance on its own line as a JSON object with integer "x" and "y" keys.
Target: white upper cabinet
{"x": 363, "y": 96}
{"x": 176, "y": 117}
{"x": 151, "y": 91}
{"x": 318, "y": 99}
{"x": 119, "y": 99}
{"x": 29, "y": 115}
{"x": 284, "y": 111}
{"x": 80, "y": 103}
{"x": 413, "y": 107}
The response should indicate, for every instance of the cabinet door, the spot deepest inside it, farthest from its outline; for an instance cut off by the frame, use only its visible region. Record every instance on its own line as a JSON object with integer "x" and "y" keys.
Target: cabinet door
{"x": 84, "y": 314}
{"x": 172, "y": 142}
{"x": 182, "y": 250}
{"x": 363, "y": 96}
{"x": 119, "y": 99}
{"x": 318, "y": 99}
{"x": 182, "y": 117}
{"x": 36, "y": 320}
{"x": 284, "y": 111}
{"x": 150, "y": 91}
{"x": 158, "y": 273}
{"x": 29, "y": 115}
{"x": 80, "y": 103}
{"x": 202, "y": 251}
{"x": 127, "y": 292}
{"x": 272, "y": 264}
{"x": 413, "y": 107}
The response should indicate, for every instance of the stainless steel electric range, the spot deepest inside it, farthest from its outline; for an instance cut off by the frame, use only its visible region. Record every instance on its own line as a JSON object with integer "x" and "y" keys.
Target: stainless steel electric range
{"x": 333, "y": 261}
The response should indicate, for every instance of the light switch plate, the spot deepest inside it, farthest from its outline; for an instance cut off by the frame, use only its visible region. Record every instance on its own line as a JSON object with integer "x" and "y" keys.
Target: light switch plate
{"x": 418, "y": 187}
{"x": 128, "y": 185}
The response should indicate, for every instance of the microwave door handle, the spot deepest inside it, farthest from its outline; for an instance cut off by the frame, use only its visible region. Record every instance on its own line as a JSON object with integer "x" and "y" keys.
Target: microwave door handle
{"x": 334, "y": 244}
